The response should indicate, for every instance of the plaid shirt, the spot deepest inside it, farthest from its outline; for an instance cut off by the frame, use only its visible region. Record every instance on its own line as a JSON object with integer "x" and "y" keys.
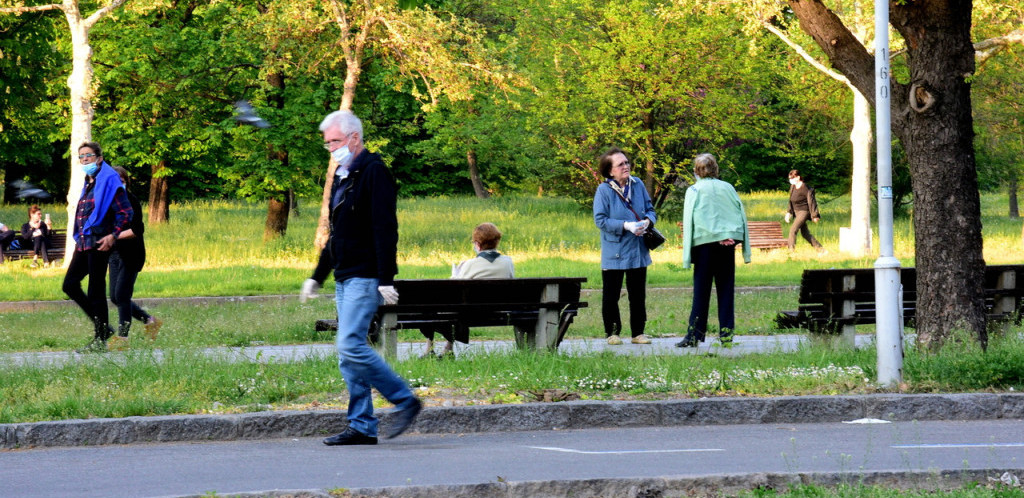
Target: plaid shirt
{"x": 120, "y": 207}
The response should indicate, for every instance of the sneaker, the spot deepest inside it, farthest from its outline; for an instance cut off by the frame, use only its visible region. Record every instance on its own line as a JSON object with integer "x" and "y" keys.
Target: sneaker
{"x": 34, "y": 264}
{"x": 403, "y": 419}
{"x": 153, "y": 327}
{"x": 688, "y": 342}
{"x": 614, "y": 340}
{"x": 117, "y": 343}
{"x": 349, "y": 437}
{"x": 641, "y": 339}
{"x": 96, "y": 345}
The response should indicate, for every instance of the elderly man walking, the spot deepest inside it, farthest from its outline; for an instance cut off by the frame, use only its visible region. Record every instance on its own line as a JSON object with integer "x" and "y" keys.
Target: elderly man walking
{"x": 362, "y": 251}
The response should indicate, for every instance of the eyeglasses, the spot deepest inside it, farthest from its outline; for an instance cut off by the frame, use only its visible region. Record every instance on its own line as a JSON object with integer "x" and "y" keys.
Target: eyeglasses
{"x": 328, "y": 144}
{"x": 625, "y": 164}
{"x": 85, "y": 156}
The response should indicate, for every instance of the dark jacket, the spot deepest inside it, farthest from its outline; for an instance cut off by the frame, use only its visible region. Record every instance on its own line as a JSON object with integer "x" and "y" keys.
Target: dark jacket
{"x": 364, "y": 223}
{"x": 26, "y": 231}
{"x": 133, "y": 250}
{"x": 812, "y": 202}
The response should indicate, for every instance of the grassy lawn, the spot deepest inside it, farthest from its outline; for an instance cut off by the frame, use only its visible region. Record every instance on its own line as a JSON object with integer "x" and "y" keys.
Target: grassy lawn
{"x": 215, "y": 248}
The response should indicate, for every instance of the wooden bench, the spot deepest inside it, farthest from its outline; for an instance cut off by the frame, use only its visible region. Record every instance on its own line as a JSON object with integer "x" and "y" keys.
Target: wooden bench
{"x": 834, "y": 301}
{"x": 58, "y": 237}
{"x": 539, "y": 309}
{"x": 764, "y": 235}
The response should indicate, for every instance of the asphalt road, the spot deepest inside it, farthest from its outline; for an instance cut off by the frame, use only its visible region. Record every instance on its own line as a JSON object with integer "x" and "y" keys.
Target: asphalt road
{"x": 304, "y": 463}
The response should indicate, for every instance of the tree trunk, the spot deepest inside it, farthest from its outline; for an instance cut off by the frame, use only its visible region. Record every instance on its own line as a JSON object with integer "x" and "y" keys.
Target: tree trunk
{"x": 81, "y": 91}
{"x": 932, "y": 118}
{"x": 323, "y": 231}
{"x": 860, "y": 184}
{"x": 159, "y": 195}
{"x": 277, "y": 217}
{"x": 474, "y": 176}
{"x": 1012, "y": 188}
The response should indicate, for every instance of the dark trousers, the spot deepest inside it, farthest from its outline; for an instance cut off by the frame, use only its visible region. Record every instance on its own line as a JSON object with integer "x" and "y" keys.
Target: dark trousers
{"x": 122, "y": 287}
{"x": 800, "y": 223}
{"x": 91, "y": 263}
{"x": 715, "y": 263}
{"x": 636, "y": 290}
{"x": 40, "y": 245}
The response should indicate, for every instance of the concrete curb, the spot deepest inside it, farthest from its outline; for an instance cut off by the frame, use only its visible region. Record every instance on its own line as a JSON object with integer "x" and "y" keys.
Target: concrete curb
{"x": 714, "y": 485}
{"x": 524, "y": 417}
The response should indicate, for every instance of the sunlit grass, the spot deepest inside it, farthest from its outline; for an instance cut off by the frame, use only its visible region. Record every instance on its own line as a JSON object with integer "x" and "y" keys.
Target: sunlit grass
{"x": 216, "y": 247}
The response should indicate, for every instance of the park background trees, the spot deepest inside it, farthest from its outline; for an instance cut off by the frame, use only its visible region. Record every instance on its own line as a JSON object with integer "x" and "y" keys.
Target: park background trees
{"x": 484, "y": 97}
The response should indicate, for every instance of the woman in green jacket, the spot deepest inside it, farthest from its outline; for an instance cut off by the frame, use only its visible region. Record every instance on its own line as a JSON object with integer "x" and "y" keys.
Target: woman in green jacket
{"x": 713, "y": 223}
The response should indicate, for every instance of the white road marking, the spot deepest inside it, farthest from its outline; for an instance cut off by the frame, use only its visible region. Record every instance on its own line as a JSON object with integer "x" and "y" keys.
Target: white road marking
{"x": 964, "y": 445}
{"x": 622, "y": 452}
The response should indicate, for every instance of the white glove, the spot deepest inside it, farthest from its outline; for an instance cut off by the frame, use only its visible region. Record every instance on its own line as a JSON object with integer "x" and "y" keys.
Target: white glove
{"x": 389, "y": 294}
{"x": 308, "y": 291}
{"x": 788, "y": 217}
{"x": 635, "y": 227}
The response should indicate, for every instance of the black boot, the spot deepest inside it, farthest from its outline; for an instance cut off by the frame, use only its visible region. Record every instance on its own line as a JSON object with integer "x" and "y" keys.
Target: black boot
{"x": 98, "y": 344}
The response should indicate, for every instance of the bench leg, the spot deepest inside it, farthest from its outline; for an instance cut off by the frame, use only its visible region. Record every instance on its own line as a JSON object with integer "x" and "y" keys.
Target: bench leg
{"x": 525, "y": 338}
{"x": 547, "y": 330}
{"x": 388, "y": 345}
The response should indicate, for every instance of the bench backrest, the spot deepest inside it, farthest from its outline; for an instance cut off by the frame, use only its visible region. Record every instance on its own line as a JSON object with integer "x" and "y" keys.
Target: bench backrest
{"x": 486, "y": 291}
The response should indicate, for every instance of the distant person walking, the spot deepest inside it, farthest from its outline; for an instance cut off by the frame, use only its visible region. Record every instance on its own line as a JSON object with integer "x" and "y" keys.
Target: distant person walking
{"x": 363, "y": 251}
{"x": 488, "y": 263}
{"x": 802, "y": 205}
{"x": 103, "y": 212}
{"x": 126, "y": 261}
{"x": 713, "y": 223}
{"x": 623, "y": 212}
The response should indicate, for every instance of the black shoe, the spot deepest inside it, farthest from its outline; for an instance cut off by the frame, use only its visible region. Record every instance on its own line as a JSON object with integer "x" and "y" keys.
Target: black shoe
{"x": 404, "y": 419}
{"x": 688, "y": 342}
{"x": 349, "y": 437}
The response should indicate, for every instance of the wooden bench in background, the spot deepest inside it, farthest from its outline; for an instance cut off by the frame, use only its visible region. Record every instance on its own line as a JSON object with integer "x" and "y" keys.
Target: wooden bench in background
{"x": 58, "y": 237}
{"x": 764, "y": 235}
{"x": 834, "y": 301}
{"x": 539, "y": 309}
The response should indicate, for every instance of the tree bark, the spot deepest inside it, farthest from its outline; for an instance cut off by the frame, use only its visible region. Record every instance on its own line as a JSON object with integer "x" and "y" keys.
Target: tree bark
{"x": 860, "y": 184}
{"x": 277, "y": 216}
{"x": 932, "y": 118}
{"x": 159, "y": 195}
{"x": 474, "y": 176}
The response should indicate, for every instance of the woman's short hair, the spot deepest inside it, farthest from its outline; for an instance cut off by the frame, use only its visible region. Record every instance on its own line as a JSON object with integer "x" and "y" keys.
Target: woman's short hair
{"x": 487, "y": 236}
{"x": 705, "y": 166}
{"x": 33, "y": 210}
{"x": 795, "y": 173}
{"x": 94, "y": 146}
{"x": 604, "y": 164}
{"x": 123, "y": 173}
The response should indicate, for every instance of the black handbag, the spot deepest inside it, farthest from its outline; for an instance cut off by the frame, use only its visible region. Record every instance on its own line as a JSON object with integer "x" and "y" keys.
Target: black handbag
{"x": 653, "y": 239}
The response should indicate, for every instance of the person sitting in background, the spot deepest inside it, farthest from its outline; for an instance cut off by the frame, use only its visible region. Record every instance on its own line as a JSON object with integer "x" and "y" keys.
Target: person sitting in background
{"x": 37, "y": 234}
{"x": 488, "y": 263}
{"x": 6, "y": 237}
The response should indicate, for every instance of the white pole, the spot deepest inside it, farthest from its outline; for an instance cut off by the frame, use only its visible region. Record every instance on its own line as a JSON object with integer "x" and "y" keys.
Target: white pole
{"x": 888, "y": 295}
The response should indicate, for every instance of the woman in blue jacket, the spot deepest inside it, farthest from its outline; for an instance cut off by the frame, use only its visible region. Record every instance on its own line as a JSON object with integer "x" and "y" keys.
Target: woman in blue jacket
{"x": 713, "y": 223}
{"x": 623, "y": 212}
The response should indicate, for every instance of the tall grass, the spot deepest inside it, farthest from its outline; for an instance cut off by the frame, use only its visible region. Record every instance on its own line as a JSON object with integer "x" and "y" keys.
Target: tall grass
{"x": 216, "y": 247}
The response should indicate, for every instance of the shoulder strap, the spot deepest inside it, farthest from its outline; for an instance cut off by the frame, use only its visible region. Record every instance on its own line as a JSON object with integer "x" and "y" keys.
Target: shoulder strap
{"x": 626, "y": 202}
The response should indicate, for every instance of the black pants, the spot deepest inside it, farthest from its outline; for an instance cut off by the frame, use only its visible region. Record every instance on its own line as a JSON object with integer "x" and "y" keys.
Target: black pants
{"x": 91, "y": 263}
{"x": 716, "y": 263}
{"x": 636, "y": 289}
{"x": 800, "y": 223}
{"x": 41, "y": 246}
{"x": 122, "y": 287}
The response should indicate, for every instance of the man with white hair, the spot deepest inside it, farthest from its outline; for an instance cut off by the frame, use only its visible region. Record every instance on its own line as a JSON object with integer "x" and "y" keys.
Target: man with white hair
{"x": 362, "y": 251}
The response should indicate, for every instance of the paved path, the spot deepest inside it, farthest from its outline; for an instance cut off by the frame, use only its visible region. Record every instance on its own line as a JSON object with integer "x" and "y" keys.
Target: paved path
{"x": 585, "y": 462}
{"x": 742, "y": 345}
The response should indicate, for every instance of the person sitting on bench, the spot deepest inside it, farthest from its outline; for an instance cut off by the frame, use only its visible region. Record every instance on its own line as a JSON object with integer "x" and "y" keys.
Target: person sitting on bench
{"x": 36, "y": 232}
{"x": 488, "y": 263}
{"x": 6, "y": 237}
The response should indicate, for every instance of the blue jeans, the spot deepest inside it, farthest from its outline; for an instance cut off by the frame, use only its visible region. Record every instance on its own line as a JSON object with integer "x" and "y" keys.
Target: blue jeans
{"x": 361, "y": 367}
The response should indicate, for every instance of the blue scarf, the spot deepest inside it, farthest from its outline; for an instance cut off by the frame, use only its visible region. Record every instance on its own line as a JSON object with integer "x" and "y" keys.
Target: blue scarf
{"x": 107, "y": 183}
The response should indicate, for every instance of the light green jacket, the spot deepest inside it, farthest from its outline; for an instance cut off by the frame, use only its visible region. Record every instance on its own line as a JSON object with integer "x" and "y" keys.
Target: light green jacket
{"x": 713, "y": 212}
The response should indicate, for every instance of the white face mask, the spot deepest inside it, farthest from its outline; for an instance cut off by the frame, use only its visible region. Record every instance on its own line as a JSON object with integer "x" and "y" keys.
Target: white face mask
{"x": 342, "y": 156}
{"x": 793, "y": 181}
